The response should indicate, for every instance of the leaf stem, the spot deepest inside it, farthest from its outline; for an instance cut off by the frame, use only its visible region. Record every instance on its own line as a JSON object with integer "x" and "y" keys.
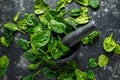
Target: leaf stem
{"x": 111, "y": 35}
{"x": 21, "y": 31}
{"x": 36, "y": 73}
{"x": 65, "y": 33}
{"x": 41, "y": 51}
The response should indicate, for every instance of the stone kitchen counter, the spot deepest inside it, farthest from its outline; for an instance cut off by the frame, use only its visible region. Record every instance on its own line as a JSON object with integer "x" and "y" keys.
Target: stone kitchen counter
{"x": 107, "y": 20}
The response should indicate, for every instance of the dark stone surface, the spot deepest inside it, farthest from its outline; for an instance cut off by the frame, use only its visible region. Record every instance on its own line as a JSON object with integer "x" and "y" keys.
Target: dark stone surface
{"x": 106, "y": 19}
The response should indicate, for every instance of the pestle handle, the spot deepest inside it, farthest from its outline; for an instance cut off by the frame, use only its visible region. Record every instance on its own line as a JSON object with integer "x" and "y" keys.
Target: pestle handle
{"x": 75, "y": 36}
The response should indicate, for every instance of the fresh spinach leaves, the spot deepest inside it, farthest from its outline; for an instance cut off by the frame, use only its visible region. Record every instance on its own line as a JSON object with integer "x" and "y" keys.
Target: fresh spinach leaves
{"x": 92, "y": 63}
{"x": 29, "y": 77}
{"x": 12, "y": 27}
{"x": 45, "y": 29}
{"x": 57, "y": 27}
{"x": 83, "y": 18}
{"x": 40, "y": 6}
{"x": 80, "y": 75}
{"x": 4, "y": 63}
{"x": 94, "y": 3}
{"x": 90, "y": 38}
{"x": 71, "y": 21}
{"x": 7, "y": 38}
{"x": 48, "y": 73}
{"x": 15, "y": 18}
{"x": 34, "y": 66}
{"x": 30, "y": 56}
{"x": 24, "y": 44}
{"x": 2, "y": 73}
{"x": 91, "y": 75}
{"x": 109, "y": 43}
{"x": 103, "y": 60}
{"x": 83, "y": 2}
{"x": 117, "y": 49}
{"x": 40, "y": 39}
{"x": 62, "y": 3}
{"x": 75, "y": 12}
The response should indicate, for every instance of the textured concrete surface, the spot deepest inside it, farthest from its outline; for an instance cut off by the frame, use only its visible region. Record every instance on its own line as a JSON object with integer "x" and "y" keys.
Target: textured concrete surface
{"x": 107, "y": 19}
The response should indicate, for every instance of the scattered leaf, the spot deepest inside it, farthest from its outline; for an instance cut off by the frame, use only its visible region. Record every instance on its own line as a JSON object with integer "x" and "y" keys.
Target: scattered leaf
{"x": 109, "y": 44}
{"x": 103, "y": 60}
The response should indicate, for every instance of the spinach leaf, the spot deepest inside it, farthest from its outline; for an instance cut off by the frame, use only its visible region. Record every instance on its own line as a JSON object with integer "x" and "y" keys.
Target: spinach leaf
{"x": 92, "y": 63}
{"x": 4, "y": 42}
{"x": 71, "y": 21}
{"x": 117, "y": 49}
{"x": 62, "y": 3}
{"x": 25, "y": 15}
{"x": 83, "y": 2}
{"x": 80, "y": 75}
{"x": 109, "y": 44}
{"x": 15, "y": 18}
{"x": 31, "y": 20}
{"x": 7, "y": 38}
{"x": 83, "y": 18}
{"x": 36, "y": 29}
{"x": 4, "y": 62}
{"x": 62, "y": 47}
{"x": 2, "y": 73}
{"x": 28, "y": 77}
{"x": 65, "y": 72}
{"x": 51, "y": 64}
{"x": 30, "y": 56}
{"x": 34, "y": 66}
{"x": 94, "y": 3}
{"x": 48, "y": 73}
{"x": 103, "y": 60}
{"x": 47, "y": 16}
{"x": 40, "y": 39}
{"x": 8, "y": 35}
{"x": 44, "y": 55}
{"x": 62, "y": 12}
{"x": 50, "y": 14}
{"x": 90, "y": 38}
{"x": 22, "y": 24}
{"x": 52, "y": 45}
{"x": 68, "y": 78}
{"x": 57, "y": 27}
{"x": 91, "y": 75}
{"x": 57, "y": 54}
{"x": 75, "y": 12}
{"x": 40, "y": 6}
{"x": 31, "y": 76}
{"x": 43, "y": 20}
{"x": 11, "y": 26}
{"x": 36, "y": 52}
{"x": 73, "y": 64}
{"x": 22, "y": 43}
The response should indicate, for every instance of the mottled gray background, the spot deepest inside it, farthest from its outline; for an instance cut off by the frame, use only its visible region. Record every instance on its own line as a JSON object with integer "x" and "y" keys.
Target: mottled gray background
{"x": 107, "y": 19}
